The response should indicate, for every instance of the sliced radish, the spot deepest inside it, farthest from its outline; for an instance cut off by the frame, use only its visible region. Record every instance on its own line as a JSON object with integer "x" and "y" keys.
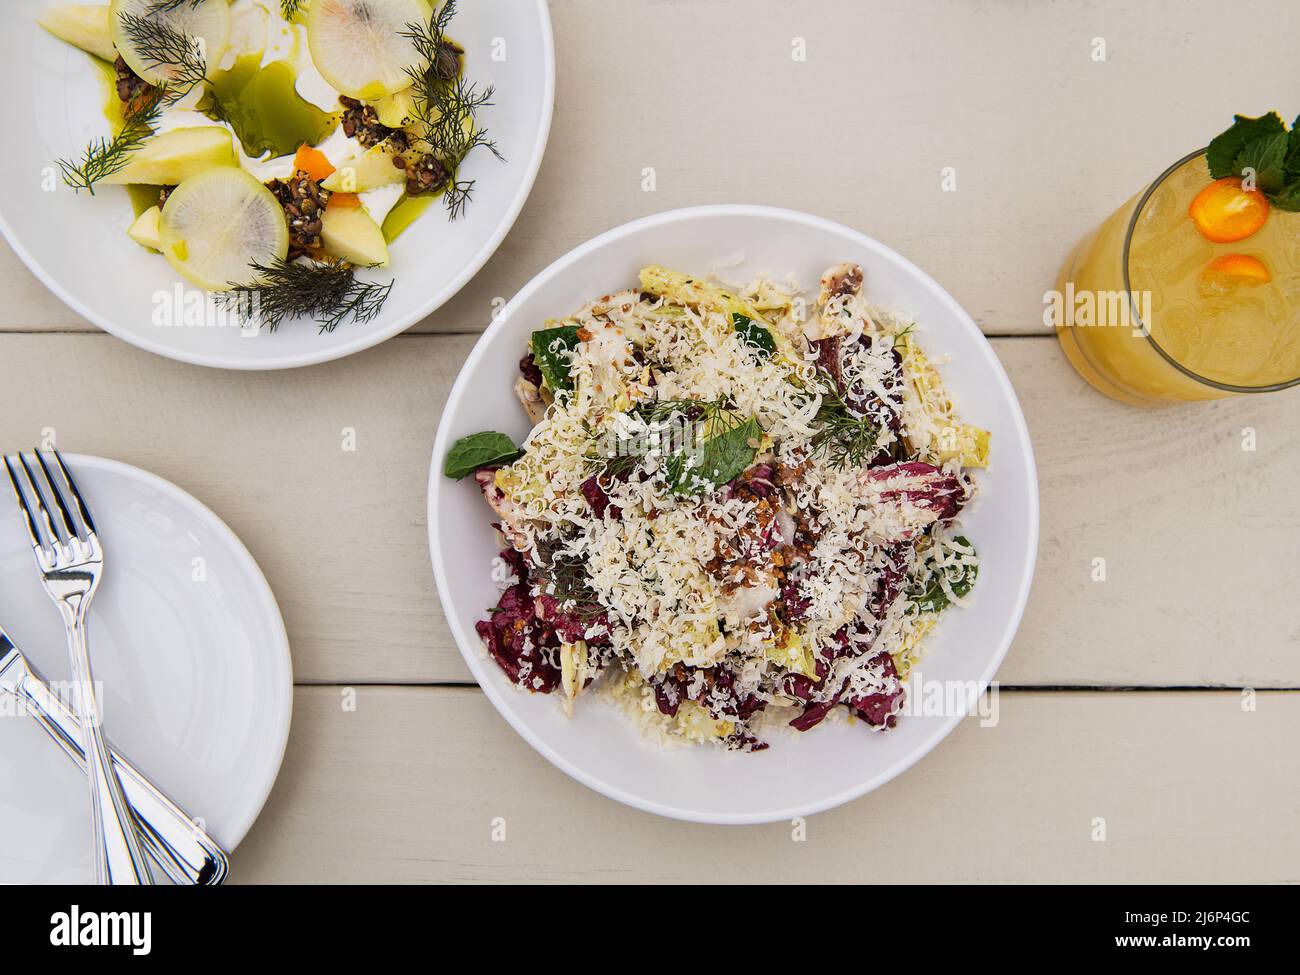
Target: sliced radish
{"x": 217, "y": 224}
{"x": 207, "y": 22}
{"x": 358, "y": 47}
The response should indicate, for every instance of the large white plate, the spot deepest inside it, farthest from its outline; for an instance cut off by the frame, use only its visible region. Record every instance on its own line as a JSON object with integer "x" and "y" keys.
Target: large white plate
{"x": 77, "y": 245}
{"x": 833, "y": 763}
{"x": 190, "y": 650}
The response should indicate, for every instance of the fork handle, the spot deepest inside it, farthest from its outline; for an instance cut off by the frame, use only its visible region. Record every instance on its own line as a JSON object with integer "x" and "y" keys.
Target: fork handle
{"x": 118, "y": 856}
{"x": 178, "y": 844}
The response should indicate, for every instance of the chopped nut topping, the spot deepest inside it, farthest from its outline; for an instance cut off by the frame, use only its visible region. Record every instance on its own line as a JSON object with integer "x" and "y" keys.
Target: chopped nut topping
{"x": 304, "y": 203}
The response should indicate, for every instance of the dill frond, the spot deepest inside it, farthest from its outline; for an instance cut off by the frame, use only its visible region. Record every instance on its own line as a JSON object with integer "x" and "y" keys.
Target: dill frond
{"x": 161, "y": 45}
{"x": 167, "y": 6}
{"x": 327, "y": 291}
{"x": 902, "y": 334}
{"x": 710, "y": 411}
{"x": 844, "y": 440}
{"x": 565, "y": 579}
{"x": 446, "y": 106}
{"x": 104, "y": 157}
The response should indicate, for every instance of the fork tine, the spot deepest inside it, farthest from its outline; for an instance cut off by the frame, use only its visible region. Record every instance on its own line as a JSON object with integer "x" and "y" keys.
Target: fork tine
{"x": 22, "y": 503}
{"x": 82, "y": 507}
{"x": 69, "y": 520}
{"x": 43, "y": 504}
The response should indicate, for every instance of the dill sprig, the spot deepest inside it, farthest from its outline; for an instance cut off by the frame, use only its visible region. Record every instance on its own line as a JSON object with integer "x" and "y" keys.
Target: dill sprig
{"x": 167, "y": 6}
{"x": 901, "y": 334}
{"x": 844, "y": 439}
{"x": 160, "y": 45}
{"x": 566, "y": 581}
{"x": 437, "y": 54}
{"x": 446, "y": 106}
{"x": 327, "y": 291}
{"x": 104, "y": 157}
{"x": 713, "y": 412}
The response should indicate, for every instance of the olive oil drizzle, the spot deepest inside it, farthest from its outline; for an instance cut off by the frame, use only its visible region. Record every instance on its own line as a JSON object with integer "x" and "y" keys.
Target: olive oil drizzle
{"x": 264, "y": 108}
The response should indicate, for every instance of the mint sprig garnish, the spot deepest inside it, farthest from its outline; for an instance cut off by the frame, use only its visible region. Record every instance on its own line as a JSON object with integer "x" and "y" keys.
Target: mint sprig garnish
{"x": 486, "y": 449}
{"x": 1262, "y": 147}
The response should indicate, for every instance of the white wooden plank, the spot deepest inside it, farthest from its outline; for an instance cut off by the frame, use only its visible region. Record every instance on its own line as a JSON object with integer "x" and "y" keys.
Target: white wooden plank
{"x": 1045, "y": 141}
{"x": 1199, "y": 537}
{"x": 406, "y": 788}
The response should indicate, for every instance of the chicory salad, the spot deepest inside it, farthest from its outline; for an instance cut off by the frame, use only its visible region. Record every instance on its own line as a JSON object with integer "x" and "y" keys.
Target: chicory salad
{"x": 737, "y": 507}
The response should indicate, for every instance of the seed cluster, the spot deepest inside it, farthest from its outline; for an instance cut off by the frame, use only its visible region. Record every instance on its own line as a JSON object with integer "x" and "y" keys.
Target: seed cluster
{"x": 425, "y": 172}
{"x": 304, "y": 203}
{"x": 131, "y": 88}
{"x": 361, "y": 122}
{"x": 446, "y": 64}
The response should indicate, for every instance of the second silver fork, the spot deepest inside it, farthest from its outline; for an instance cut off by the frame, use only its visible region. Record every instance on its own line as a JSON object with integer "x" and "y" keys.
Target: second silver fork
{"x": 71, "y": 561}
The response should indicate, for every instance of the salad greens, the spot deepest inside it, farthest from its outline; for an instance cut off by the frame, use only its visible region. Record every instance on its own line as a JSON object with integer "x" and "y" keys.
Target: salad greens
{"x": 553, "y": 350}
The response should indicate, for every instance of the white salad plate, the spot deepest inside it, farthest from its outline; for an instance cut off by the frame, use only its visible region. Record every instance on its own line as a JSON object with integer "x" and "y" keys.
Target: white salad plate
{"x": 190, "y": 655}
{"x": 77, "y": 243}
{"x": 837, "y": 761}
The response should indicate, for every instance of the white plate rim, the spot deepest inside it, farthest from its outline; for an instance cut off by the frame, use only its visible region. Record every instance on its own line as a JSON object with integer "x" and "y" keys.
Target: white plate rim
{"x": 469, "y": 647}
{"x": 367, "y": 339}
{"x": 237, "y": 831}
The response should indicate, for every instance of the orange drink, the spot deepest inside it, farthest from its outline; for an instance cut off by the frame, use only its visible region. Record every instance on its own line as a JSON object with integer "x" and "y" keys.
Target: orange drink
{"x": 1189, "y": 291}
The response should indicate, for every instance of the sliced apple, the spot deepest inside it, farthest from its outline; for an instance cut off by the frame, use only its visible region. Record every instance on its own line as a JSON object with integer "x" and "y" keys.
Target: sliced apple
{"x": 396, "y": 110}
{"x": 172, "y": 157}
{"x": 144, "y": 231}
{"x": 374, "y": 169}
{"x": 84, "y": 25}
{"x": 351, "y": 233}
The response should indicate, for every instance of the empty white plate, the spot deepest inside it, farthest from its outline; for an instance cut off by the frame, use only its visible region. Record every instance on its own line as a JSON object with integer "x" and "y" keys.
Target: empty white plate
{"x": 191, "y": 655}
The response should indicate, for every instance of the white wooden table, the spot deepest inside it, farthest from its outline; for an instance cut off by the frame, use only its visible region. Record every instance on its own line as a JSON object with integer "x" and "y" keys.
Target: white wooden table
{"x": 1121, "y": 700}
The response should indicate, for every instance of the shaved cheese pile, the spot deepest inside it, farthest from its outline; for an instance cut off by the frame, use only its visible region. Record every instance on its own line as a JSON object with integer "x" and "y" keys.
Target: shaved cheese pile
{"x": 729, "y": 509}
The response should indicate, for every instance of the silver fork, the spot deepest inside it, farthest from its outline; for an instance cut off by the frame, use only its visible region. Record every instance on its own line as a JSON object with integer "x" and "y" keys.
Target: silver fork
{"x": 71, "y": 561}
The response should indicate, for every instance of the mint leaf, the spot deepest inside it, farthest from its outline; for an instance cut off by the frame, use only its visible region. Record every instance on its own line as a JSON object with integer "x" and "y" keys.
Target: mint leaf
{"x": 928, "y": 594}
{"x": 756, "y": 336}
{"x": 1266, "y": 156}
{"x": 1288, "y": 198}
{"x": 1292, "y": 163}
{"x": 484, "y": 449}
{"x": 1227, "y": 146}
{"x": 723, "y": 459}
{"x": 552, "y": 349}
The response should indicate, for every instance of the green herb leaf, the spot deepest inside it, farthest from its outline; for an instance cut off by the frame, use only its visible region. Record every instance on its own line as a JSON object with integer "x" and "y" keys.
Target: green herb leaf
{"x": 1292, "y": 163}
{"x": 724, "y": 457}
{"x": 1227, "y": 146}
{"x": 1288, "y": 198}
{"x": 1266, "y": 156}
{"x": 929, "y": 596}
{"x": 553, "y": 348}
{"x": 477, "y": 450}
{"x": 756, "y": 336}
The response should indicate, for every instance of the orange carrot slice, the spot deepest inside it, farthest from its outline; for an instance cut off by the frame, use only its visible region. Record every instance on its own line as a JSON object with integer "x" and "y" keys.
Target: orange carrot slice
{"x": 1234, "y": 269}
{"x": 1225, "y": 212}
{"x": 313, "y": 162}
{"x": 349, "y": 201}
